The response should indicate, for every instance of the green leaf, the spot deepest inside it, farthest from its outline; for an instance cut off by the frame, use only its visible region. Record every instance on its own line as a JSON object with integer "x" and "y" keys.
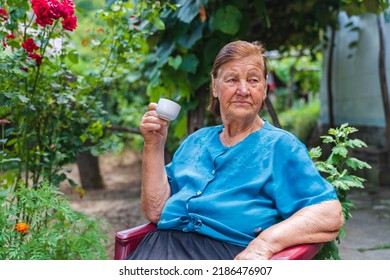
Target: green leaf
{"x": 332, "y": 131}
{"x": 9, "y": 160}
{"x": 72, "y": 183}
{"x": 189, "y": 39}
{"x": 355, "y": 143}
{"x": 181, "y": 128}
{"x": 115, "y": 7}
{"x": 315, "y": 152}
{"x": 155, "y": 92}
{"x": 73, "y": 56}
{"x": 164, "y": 51}
{"x": 340, "y": 150}
{"x": 5, "y": 193}
{"x": 188, "y": 10}
{"x": 353, "y": 44}
{"x": 334, "y": 158}
{"x": 175, "y": 62}
{"x": 190, "y": 63}
{"x": 326, "y": 167}
{"x": 8, "y": 94}
{"x": 355, "y": 164}
{"x": 158, "y": 23}
{"x": 83, "y": 137}
{"x": 327, "y": 139}
{"x": 23, "y": 98}
{"x": 350, "y": 181}
{"x": 227, "y": 20}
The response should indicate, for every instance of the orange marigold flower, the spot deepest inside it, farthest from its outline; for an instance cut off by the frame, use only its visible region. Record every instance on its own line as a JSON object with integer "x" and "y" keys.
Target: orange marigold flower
{"x": 85, "y": 41}
{"x": 22, "y": 227}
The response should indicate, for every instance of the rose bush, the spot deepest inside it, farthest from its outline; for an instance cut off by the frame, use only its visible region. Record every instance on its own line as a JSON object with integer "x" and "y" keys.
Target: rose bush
{"x": 47, "y": 114}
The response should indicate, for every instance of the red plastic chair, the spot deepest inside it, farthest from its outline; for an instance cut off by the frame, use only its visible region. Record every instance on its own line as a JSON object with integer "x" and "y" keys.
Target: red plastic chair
{"x": 127, "y": 240}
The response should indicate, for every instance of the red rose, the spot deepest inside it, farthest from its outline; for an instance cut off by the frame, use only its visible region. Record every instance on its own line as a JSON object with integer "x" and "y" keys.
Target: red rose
{"x": 42, "y": 11}
{"x": 55, "y": 9}
{"x": 9, "y": 36}
{"x": 3, "y": 14}
{"x": 69, "y": 23}
{"x": 67, "y": 8}
{"x": 29, "y": 45}
{"x": 37, "y": 57}
{"x": 47, "y": 11}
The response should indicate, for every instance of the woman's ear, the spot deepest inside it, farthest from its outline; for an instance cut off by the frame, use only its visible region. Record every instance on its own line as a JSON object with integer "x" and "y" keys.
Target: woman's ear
{"x": 214, "y": 86}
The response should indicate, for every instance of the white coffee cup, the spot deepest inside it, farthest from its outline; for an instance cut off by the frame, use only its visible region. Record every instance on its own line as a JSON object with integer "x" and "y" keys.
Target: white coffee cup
{"x": 167, "y": 109}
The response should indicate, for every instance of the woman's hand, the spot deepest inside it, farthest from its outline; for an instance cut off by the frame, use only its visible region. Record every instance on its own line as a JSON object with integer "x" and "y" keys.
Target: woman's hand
{"x": 256, "y": 250}
{"x": 153, "y": 129}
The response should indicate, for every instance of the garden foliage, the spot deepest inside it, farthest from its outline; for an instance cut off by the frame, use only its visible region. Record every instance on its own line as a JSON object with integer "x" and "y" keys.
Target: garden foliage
{"x": 47, "y": 115}
{"x": 338, "y": 169}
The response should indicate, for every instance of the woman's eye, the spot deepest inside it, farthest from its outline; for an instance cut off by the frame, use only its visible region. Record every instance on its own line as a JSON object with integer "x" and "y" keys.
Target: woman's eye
{"x": 231, "y": 80}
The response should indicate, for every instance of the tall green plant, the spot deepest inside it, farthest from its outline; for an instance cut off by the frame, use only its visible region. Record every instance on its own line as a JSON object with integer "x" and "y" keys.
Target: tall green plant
{"x": 338, "y": 168}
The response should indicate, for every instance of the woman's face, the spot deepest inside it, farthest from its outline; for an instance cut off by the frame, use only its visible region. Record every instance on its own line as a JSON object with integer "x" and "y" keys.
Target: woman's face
{"x": 241, "y": 89}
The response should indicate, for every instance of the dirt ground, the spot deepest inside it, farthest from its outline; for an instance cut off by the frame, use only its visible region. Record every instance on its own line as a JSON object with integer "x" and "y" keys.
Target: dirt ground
{"x": 119, "y": 203}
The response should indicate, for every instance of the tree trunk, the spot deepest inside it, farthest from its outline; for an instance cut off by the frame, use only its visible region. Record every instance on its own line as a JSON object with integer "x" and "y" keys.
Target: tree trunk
{"x": 383, "y": 80}
{"x": 272, "y": 112}
{"x": 89, "y": 171}
{"x": 329, "y": 80}
{"x": 291, "y": 86}
{"x": 195, "y": 117}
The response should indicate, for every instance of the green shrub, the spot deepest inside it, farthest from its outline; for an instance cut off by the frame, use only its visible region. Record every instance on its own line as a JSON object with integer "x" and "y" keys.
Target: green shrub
{"x": 301, "y": 120}
{"x": 38, "y": 224}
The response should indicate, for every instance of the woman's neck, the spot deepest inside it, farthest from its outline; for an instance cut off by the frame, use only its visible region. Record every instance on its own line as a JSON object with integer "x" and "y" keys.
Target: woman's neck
{"x": 234, "y": 132}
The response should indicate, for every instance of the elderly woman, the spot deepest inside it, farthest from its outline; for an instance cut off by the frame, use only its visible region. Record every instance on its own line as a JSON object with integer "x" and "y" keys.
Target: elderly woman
{"x": 240, "y": 190}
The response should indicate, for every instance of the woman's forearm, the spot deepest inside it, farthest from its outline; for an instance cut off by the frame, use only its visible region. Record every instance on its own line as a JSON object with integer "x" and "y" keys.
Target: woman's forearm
{"x": 312, "y": 224}
{"x": 155, "y": 186}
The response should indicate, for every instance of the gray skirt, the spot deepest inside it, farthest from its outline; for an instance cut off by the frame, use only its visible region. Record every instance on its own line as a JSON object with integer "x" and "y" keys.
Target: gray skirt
{"x": 179, "y": 245}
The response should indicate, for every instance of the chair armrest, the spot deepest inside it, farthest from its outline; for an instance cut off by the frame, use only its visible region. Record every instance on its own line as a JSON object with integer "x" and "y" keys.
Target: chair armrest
{"x": 299, "y": 252}
{"x": 127, "y": 240}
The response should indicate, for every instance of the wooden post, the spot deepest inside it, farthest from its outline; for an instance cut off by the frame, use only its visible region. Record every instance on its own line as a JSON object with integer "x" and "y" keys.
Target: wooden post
{"x": 383, "y": 80}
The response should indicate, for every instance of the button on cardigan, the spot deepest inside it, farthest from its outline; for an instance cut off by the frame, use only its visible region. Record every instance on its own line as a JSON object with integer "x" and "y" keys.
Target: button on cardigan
{"x": 229, "y": 193}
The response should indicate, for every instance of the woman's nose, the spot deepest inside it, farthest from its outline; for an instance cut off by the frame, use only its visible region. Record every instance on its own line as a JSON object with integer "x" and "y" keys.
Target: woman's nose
{"x": 242, "y": 87}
